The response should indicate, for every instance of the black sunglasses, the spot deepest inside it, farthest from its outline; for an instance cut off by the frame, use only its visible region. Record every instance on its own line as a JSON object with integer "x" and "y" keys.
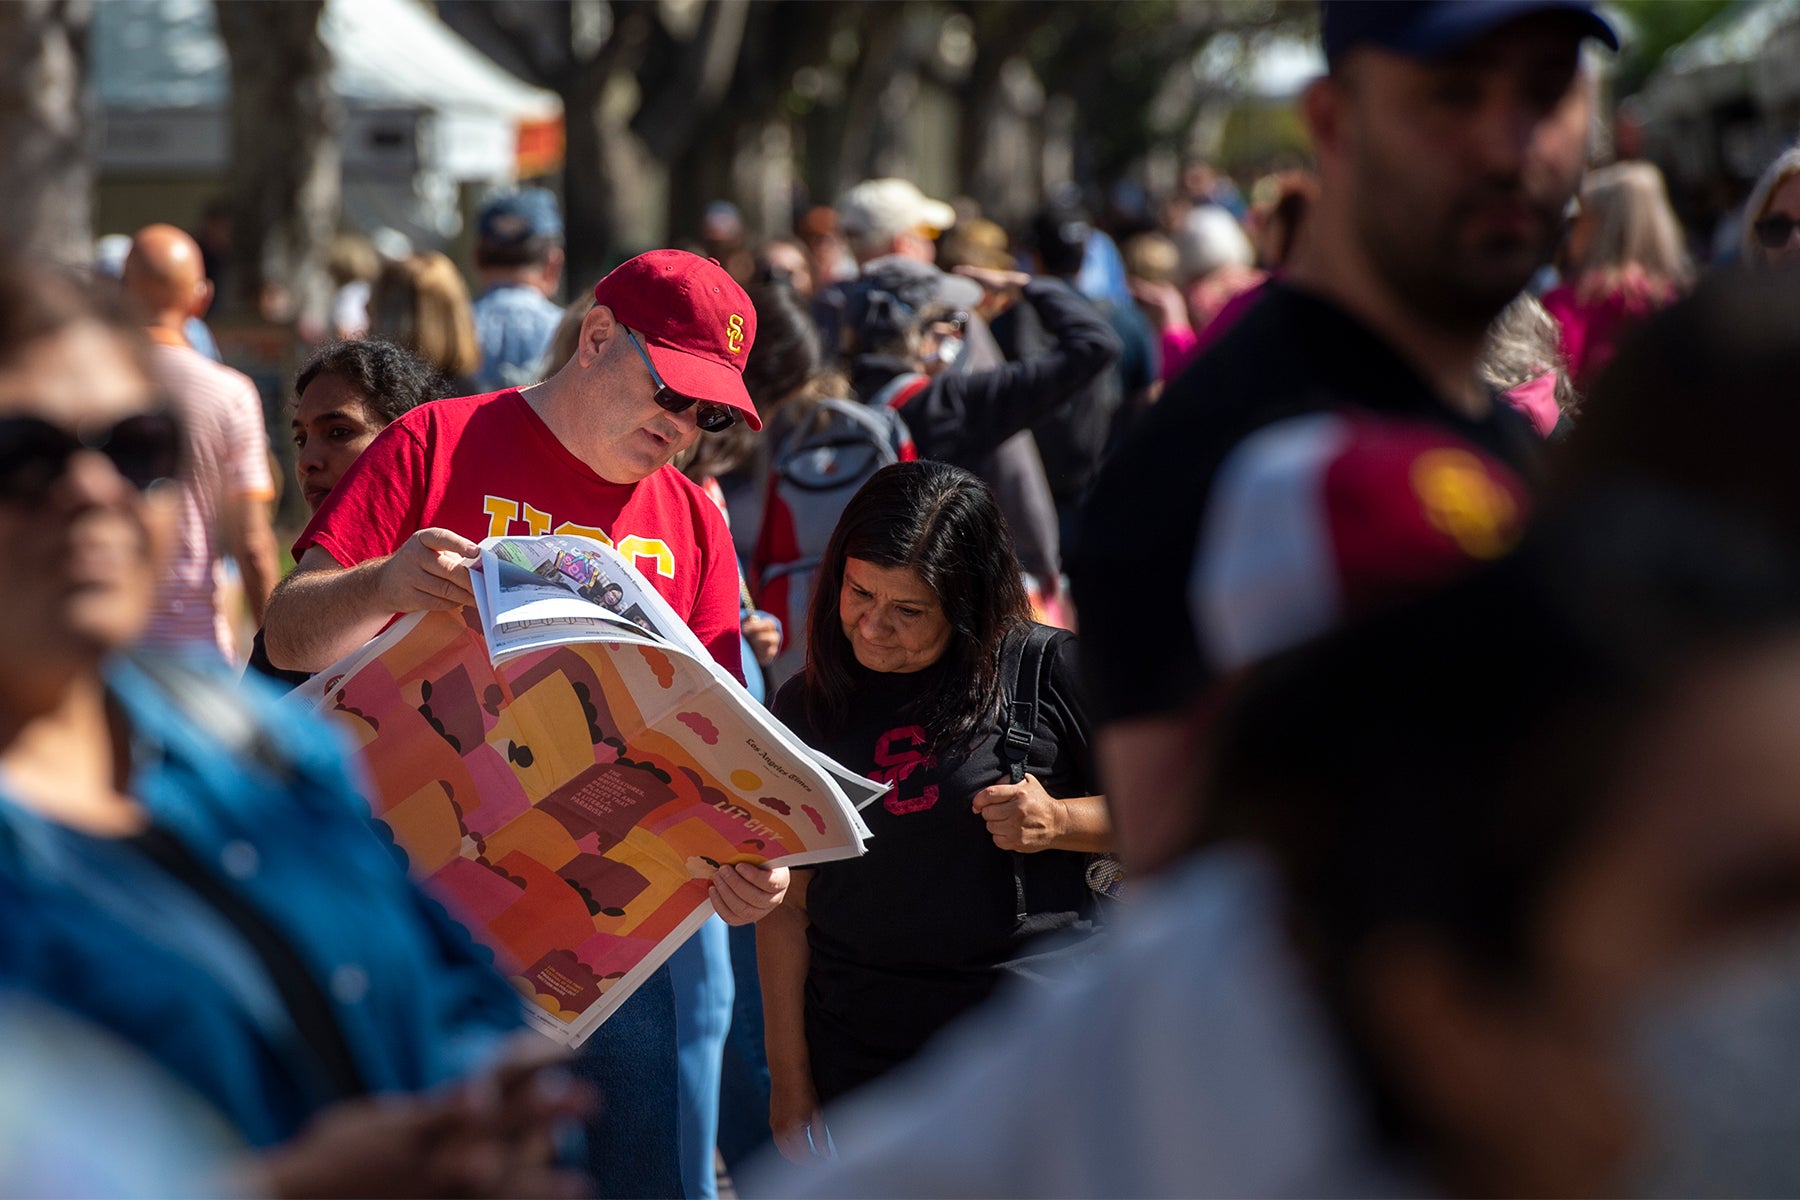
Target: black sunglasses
{"x": 145, "y": 448}
{"x": 1772, "y": 233}
{"x": 712, "y": 417}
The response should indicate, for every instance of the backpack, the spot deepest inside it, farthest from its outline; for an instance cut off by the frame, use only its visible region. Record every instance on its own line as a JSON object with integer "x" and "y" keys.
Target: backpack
{"x": 1049, "y": 945}
{"x": 829, "y": 451}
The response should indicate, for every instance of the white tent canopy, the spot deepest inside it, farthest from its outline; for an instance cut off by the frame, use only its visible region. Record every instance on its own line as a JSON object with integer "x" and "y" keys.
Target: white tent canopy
{"x": 165, "y": 56}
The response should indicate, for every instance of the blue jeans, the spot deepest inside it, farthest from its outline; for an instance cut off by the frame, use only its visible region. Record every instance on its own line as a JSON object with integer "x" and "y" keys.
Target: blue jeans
{"x": 634, "y": 1144}
{"x": 744, "y": 1087}
{"x": 701, "y": 973}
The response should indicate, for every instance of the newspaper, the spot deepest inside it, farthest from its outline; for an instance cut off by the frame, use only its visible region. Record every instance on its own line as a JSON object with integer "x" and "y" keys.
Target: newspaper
{"x": 565, "y": 767}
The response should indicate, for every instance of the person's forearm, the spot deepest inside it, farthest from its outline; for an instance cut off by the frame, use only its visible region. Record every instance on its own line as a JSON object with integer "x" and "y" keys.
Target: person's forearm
{"x": 252, "y": 547}
{"x": 1084, "y": 343}
{"x": 316, "y": 617}
{"x": 1086, "y": 825}
{"x": 1153, "y": 786}
{"x": 782, "y": 958}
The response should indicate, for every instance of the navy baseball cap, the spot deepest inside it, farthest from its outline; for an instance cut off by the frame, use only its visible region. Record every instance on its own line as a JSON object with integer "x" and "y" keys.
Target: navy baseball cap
{"x": 1429, "y": 28}
{"x": 515, "y": 217}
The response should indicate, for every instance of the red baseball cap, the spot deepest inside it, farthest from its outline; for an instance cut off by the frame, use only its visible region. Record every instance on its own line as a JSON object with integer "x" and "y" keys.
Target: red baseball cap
{"x": 1325, "y": 517}
{"x": 696, "y": 323}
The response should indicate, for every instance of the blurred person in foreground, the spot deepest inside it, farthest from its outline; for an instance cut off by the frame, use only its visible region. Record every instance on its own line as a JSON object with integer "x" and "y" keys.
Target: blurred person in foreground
{"x": 420, "y": 302}
{"x": 518, "y": 269}
{"x": 1502, "y": 897}
{"x": 194, "y": 872}
{"x": 1772, "y": 214}
{"x": 225, "y": 495}
{"x": 866, "y": 960}
{"x": 1450, "y": 136}
{"x": 1626, "y": 258}
{"x": 88, "y": 1116}
{"x": 345, "y": 394}
{"x": 1700, "y": 398}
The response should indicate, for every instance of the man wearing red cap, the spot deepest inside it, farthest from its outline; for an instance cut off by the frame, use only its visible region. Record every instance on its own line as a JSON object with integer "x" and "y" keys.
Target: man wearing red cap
{"x": 660, "y": 360}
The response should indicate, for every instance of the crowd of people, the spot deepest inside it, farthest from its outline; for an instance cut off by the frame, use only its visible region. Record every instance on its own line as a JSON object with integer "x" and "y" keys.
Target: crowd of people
{"x": 1328, "y": 646}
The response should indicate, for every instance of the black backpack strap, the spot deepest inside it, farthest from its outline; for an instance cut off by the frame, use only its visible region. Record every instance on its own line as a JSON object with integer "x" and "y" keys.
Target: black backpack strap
{"x": 1024, "y": 659}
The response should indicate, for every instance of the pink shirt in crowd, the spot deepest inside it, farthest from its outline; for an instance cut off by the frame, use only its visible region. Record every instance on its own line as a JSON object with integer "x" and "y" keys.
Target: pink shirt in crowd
{"x": 228, "y": 458}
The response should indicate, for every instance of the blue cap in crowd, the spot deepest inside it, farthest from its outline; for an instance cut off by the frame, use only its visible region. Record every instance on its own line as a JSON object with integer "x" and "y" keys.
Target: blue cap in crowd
{"x": 521, "y": 216}
{"x": 1429, "y": 28}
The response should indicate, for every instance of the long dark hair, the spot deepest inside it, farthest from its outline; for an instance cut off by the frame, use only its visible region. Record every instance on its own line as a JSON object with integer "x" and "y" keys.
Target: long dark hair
{"x": 1436, "y": 771}
{"x": 941, "y": 522}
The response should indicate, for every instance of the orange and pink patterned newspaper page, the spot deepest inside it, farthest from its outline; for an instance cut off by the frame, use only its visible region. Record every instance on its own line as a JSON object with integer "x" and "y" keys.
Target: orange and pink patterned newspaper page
{"x": 547, "y": 814}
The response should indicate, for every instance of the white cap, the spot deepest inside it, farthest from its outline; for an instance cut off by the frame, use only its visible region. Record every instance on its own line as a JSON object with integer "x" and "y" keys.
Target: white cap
{"x": 876, "y": 211}
{"x": 1209, "y": 237}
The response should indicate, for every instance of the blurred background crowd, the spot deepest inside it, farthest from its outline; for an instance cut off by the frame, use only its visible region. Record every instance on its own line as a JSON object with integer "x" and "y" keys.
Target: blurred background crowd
{"x": 1468, "y": 868}
{"x": 314, "y": 149}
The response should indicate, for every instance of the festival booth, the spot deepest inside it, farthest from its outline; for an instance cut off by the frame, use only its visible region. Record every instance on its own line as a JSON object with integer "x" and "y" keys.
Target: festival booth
{"x": 428, "y": 120}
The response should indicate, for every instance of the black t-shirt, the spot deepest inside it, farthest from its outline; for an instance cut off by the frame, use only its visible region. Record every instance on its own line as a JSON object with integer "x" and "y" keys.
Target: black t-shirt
{"x": 907, "y": 937}
{"x": 1290, "y": 354}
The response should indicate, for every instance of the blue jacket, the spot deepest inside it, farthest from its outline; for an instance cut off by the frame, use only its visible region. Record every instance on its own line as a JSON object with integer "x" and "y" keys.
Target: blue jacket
{"x": 93, "y": 925}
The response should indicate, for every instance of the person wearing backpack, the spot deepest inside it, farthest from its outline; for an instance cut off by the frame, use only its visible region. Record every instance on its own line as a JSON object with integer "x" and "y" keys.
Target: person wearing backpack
{"x": 925, "y": 672}
{"x": 826, "y": 449}
{"x": 906, "y": 322}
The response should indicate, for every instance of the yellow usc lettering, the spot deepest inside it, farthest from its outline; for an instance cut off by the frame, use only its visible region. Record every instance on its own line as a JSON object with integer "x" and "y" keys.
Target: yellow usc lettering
{"x": 734, "y": 334}
{"x": 501, "y": 514}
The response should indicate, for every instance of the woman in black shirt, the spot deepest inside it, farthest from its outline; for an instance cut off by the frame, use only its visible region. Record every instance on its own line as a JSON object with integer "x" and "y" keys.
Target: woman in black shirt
{"x": 867, "y": 959}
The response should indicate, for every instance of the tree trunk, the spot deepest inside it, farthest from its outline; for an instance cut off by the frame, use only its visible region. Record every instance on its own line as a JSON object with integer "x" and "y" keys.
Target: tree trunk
{"x": 46, "y": 207}
{"x": 284, "y": 177}
{"x": 588, "y": 203}
{"x": 873, "y": 123}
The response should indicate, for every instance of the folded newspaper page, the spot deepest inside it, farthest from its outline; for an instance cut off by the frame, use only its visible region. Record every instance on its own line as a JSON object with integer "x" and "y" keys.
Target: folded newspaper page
{"x": 566, "y": 766}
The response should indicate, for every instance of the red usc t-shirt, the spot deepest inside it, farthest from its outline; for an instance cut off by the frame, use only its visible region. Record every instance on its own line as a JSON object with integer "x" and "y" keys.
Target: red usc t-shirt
{"x": 488, "y": 466}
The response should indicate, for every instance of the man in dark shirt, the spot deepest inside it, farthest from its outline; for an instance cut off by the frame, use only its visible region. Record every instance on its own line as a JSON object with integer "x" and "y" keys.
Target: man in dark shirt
{"x": 1073, "y": 439}
{"x": 1450, "y": 136}
{"x": 958, "y": 415}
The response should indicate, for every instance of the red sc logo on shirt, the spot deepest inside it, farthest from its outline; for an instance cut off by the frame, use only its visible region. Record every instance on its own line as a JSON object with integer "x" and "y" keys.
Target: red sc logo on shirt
{"x": 898, "y": 753}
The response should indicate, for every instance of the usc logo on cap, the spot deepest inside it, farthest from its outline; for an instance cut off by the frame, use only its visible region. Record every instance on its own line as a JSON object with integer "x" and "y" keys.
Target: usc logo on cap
{"x": 1463, "y": 501}
{"x": 734, "y": 334}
